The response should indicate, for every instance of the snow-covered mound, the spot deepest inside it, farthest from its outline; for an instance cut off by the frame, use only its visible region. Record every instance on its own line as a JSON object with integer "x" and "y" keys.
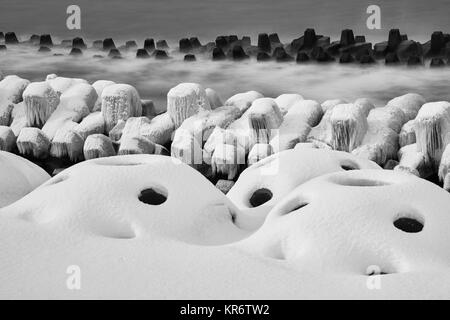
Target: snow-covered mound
{"x": 18, "y": 177}
{"x": 135, "y": 227}
{"x": 261, "y": 186}
{"x": 360, "y": 223}
{"x": 132, "y": 196}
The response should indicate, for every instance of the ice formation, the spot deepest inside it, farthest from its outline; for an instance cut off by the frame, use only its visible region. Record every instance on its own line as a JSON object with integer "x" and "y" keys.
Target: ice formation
{"x": 62, "y": 84}
{"x": 287, "y": 100}
{"x": 214, "y": 99}
{"x": 136, "y": 145}
{"x": 258, "y": 152}
{"x": 75, "y": 104}
{"x": 409, "y": 103}
{"x": 244, "y": 100}
{"x": 264, "y": 118}
{"x": 413, "y": 161}
{"x": 296, "y": 125}
{"x": 186, "y": 100}
{"x": 19, "y": 177}
{"x": 98, "y": 146}
{"x": 365, "y": 105}
{"x": 348, "y": 126}
{"x": 330, "y": 104}
{"x": 59, "y": 143}
{"x": 190, "y": 137}
{"x": 407, "y": 134}
{"x": 32, "y": 141}
{"x": 160, "y": 129}
{"x": 444, "y": 168}
{"x": 99, "y": 86}
{"x": 432, "y": 127}
{"x": 7, "y": 139}
{"x": 12, "y": 88}
{"x": 380, "y": 143}
{"x": 218, "y": 136}
{"x": 18, "y": 118}
{"x": 227, "y": 160}
{"x": 6, "y": 107}
{"x": 40, "y": 102}
{"x": 119, "y": 102}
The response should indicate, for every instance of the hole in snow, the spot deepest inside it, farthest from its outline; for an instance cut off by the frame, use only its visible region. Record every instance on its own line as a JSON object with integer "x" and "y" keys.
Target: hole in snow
{"x": 260, "y": 196}
{"x": 409, "y": 224}
{"x": 347, "y": 166}
{"x": 153, "y": 197}
{"x": 373, "y": 273}
{"x": 360, "y": 182}
{"x": 118, "y": 163}
{"x": 295, "y": 206}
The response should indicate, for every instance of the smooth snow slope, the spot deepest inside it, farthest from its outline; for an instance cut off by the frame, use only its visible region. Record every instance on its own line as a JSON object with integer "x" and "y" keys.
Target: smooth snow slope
{"x": 18, "y": 177}
{"x": 193, "y": 245}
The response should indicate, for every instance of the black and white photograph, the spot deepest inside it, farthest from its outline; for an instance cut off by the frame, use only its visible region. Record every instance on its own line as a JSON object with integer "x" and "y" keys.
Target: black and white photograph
{"x": 224, "y": 150}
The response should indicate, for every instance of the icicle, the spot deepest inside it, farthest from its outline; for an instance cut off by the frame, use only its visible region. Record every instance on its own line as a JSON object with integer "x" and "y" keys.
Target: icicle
{"x": 259, "y": 152}
{"x": 185, "y": 100}
{"x": 120, "y": 102}
{"x": 32, "y": 141}
{"x": 213, "y": 98}
{"x": 413, "y": 161}
{"x": 98, "y": 146}
{"x": 99, "y": 86}
{"x": 407, "y": 134}
{"x": 348, "y": 127}
{"x": 432, "y": 126}
{"x": 40, "y": 102}
{"x": 7, "y": 139}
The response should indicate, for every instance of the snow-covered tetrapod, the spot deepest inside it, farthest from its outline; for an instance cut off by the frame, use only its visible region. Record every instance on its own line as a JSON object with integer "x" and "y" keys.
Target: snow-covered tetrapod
{"x": 348, "y": 126}
{"x": 432, "y": 127}
{"x": 264, "y": 118}
{"x": 32, "y": 141}
{"x": 413, "y": 161}
{"x": 120, "y": 102}
{"x": 190, "y": 137}
{"x": 185, "y": 100}
{"x": 407, "y": 134}
{"x": 12, "y": 88}
{"x": 409, "y": 103}
{"x": 258, "y": 152}
{"x": 214, "y": 99}
{"x": 7, "y": 139}
{"x": 99, "y": 86}
{"x": 380, "y": 142}
{"x": 444, "y": 168}
{"x": 40, "y": 102}
{"x": 296, "y": 125}
{"x": 287, "y": 100}
{"x": 243, "y": 100}
{"x": 98, "y": 146}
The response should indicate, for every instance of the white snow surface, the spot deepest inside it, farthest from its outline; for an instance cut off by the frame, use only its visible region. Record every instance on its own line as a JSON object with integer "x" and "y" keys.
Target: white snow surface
{"x": 321, "y": 239}
{"x": 18, "y": 177}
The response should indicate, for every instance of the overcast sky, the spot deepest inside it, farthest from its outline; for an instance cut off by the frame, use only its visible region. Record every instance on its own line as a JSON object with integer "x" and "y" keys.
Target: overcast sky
{"x": 173, "y": 19}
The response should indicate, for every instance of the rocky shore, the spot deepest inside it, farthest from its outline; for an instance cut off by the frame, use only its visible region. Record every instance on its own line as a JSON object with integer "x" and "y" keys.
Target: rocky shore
{"x": 350, "y": 48}
{"x": 61, "y": 121}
